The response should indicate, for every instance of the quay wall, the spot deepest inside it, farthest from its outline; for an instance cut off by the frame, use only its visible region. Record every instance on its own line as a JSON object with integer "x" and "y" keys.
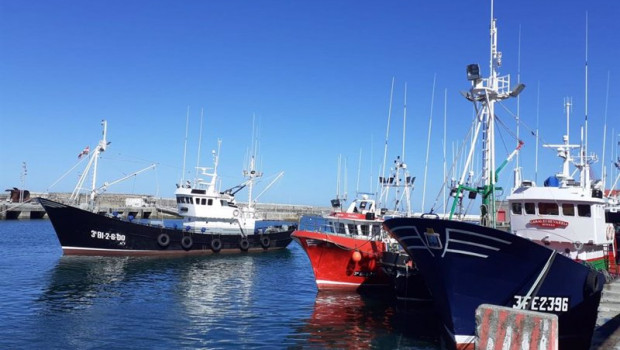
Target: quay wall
{"x": 143, "y": 207}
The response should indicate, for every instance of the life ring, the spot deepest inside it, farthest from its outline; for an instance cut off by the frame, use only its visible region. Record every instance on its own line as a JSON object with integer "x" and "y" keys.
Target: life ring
{"x": 163, "y": 240}
{"x": 235, "y": 213}
{"x": 578, "y": 245}
{"x": 244, "y": 244}
{"x": 187, "y": 242}
{"x": 610, "y": 232}
{"x": 216, "y": 245}
{"x": 265, "y": 242}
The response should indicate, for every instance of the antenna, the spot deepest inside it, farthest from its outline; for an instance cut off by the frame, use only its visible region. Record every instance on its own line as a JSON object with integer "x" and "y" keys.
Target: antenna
{"x": 185, "y": 145}
{"x": 518, "y": 97}
{"x": 404, "y": 122}
{"x": 371, "y": 160}
{"x": 445, "y": 113}
{"x": 537, "y": 116}
{"x": 586, "y": 100}
{"x": 338, "y": 177}
{"x": 603, "y": 175}
{"x": 387, "y": 130}
{"x": 428, "y": 141}
{"x": 199, "y": 144}
{"x": 359, "y": 168}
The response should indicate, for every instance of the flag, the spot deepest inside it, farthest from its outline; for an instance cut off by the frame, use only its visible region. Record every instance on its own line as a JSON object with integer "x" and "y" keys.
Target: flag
{"x": 84, "y": 152}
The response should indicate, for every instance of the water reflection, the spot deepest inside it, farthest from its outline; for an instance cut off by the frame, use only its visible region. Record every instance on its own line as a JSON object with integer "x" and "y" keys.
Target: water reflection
{"x": 76, "y": 281}
{"x": 350, "y": 320}
{"x": 248, "y": 301}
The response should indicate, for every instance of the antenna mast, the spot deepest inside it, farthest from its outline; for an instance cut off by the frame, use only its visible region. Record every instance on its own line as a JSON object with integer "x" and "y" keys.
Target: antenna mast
{"x": 199, "y": 144}
{"x": 428, "y": 141}
{"x": 185, "y": 146}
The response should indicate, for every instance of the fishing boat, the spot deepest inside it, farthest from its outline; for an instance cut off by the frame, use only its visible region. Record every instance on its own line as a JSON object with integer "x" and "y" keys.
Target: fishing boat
{"x": 466, "y": 265}
{"x": 345, "y": 246}
{"x": 566, "y": 214}
{"x": 212, "y": 222}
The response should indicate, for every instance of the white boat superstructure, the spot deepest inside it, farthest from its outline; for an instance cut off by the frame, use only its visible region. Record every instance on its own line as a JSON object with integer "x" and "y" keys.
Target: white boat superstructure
{"x": 564, "y": 214}
{"x": 207, "y": 209}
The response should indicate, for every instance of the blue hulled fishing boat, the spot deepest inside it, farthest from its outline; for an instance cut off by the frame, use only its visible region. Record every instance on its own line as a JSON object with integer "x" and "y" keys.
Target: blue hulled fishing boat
{"x": 526, "y": 266}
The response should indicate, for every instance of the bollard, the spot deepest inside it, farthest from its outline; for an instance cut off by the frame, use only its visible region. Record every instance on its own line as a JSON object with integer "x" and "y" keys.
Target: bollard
{"x": 499, "y": 327}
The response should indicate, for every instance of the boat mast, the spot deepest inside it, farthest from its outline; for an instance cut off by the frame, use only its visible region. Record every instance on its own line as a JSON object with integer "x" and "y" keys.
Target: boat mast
{"x": 100, "y": 148}
{"x": 251, "y": 172}
{"x": 564, "y": 150}
{"x": 485, "y": 92}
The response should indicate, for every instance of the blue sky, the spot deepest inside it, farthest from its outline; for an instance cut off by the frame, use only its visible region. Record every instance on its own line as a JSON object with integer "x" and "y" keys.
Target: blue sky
{"x": 316, "y": 74}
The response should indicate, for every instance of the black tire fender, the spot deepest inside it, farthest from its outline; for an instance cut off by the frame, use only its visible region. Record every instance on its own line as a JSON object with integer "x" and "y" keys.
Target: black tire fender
{"x": 163, "y": 240}
{"x": 244, "y": 244}
{"x": 187, "y": 242}
{"x": 216, "y": 245}
{"x": 594, "y": 283}
{"x": 265, "y": 242}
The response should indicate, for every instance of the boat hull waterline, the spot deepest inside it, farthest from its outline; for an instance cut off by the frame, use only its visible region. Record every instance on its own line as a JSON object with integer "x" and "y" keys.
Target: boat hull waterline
{"x": 334, "y": 264}
{"x": 82, "y": 232}
{"x": 466, "y": 265}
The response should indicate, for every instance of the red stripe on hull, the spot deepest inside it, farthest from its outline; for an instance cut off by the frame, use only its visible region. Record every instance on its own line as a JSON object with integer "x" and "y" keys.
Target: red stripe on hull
{"x": 333, "y": 263}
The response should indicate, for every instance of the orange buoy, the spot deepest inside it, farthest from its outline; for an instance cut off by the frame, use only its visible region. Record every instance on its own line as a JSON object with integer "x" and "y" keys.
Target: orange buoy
{"x": 357, "y": 256}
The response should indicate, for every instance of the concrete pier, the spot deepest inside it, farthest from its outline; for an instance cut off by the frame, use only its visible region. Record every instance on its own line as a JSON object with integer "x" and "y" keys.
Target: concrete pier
{"x": 607, "y": 333}
{"x": 145, "y": 207}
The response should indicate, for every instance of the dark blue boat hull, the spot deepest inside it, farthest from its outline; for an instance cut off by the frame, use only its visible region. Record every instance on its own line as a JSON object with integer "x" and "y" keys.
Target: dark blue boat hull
{"x": 465, "y": 265}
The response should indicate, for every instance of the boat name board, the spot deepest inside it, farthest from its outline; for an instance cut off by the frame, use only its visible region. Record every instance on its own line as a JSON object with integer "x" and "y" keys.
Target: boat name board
{"x": 549, "y": 223}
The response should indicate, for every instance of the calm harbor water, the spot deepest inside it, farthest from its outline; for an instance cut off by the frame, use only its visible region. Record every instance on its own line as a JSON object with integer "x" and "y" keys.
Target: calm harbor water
{"x": 266, "y": 300}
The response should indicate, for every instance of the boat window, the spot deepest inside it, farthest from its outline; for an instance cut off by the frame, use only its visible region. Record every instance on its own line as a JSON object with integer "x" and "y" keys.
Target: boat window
{"x": 191, "y": 200}
{"x": 583, "y": 210}
{"x": 376, "y": 230}
{"x": 365, "y": 230}
{"x": 352, "y": 229}
{"x": 548, "y": 208}
{"x": 341, "y": 228}
{"x": 362, "y": 205}
{"x": 210, "y": 201}
{"x": 530, "y": 208}
{"x": 568, "y": 209}
{"x": 223, "y": 203}
{"x": 516, "y": 208}
{"x": 204, "y": 201}
{"x": 178, "y": 200}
